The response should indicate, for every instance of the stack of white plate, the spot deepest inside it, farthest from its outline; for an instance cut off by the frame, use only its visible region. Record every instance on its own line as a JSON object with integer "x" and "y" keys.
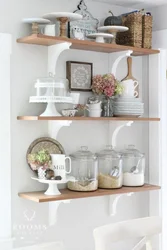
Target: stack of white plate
{"x": 128, "y": 106}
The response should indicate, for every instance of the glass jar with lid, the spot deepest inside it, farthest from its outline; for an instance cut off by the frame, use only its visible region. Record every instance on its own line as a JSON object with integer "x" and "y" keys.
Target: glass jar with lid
{"x": 110, "y": 169}
{"x": 84, "y": 170}
{"x": 133, "y": 162}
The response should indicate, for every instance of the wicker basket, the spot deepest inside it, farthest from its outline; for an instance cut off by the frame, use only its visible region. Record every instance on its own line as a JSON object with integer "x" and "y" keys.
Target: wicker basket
{"x": 132, "y": 37}
{"x": 147, "y": 32}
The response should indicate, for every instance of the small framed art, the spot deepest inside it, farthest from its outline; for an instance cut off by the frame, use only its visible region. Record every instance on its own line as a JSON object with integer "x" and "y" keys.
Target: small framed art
{"x": 79, "y": 75}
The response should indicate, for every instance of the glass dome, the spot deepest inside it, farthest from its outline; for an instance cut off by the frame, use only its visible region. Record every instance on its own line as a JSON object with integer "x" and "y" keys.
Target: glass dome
{"x": 52, "y": 86}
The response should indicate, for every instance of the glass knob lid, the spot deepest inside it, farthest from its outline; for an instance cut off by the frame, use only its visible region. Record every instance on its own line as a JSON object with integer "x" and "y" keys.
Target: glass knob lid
{"x": 109, "y": 152}
{"x": 131, "y": 151}
{"x": 83, "y": 153}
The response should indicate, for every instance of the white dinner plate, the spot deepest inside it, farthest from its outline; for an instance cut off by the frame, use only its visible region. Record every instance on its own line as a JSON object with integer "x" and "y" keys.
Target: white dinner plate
{"x": 72, "y": 16}
{"x": 127, "y": 99}
{"x": 36, "y": 20}
{"x": 113, "y": 28}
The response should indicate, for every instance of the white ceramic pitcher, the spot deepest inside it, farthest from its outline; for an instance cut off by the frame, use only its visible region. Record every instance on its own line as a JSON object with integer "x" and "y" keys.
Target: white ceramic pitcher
{"x": 59, "y": 165}
{"x": 129, "y": 88}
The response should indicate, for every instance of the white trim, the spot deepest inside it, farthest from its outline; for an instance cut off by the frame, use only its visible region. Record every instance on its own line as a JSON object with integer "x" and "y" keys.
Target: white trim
{"x": 5, "y": 138}
{"x": 158, "y": 137}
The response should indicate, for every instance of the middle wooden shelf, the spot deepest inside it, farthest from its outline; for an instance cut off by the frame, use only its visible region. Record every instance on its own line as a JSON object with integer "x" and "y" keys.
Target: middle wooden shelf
{"x": 82, "y": 118}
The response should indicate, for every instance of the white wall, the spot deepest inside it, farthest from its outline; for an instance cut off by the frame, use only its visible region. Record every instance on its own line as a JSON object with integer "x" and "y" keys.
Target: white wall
{"x": 75, "y": 221}
{"x": 159, "y": 17}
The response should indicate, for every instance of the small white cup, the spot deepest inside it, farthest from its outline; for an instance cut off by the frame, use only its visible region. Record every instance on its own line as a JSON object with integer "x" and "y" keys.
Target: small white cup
{"x": 129, "y": 88}
{"x": 59, "y": 165}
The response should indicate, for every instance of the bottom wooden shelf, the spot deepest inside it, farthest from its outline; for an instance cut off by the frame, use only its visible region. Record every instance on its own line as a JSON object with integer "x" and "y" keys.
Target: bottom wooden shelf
{"x": 69, "y": 195}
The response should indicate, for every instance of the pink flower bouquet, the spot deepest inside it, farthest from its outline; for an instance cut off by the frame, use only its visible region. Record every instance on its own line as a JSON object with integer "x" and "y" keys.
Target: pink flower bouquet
{"x": 106, "y": 85}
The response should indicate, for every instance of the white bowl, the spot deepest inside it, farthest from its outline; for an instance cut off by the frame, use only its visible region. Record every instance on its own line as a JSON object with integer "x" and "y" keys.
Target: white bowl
{"x": 69, "y": 112}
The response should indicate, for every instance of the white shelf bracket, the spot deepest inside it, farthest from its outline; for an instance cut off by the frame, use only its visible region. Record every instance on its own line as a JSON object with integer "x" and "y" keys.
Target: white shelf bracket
{"x": 116, "y": 131}
{"x": 53, "y": 208}
{"x": 53, "y": 54}
{"x": 120, "y": 56}
{"x": 55, "y": 126}
{"x": 113, "y": 202}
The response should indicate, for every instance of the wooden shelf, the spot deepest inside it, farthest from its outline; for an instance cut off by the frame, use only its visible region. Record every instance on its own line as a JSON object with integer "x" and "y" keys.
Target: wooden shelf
{"x": 44, "y": 40}
{"x": 82, "y": 118}
{"x": 69, "y": 195}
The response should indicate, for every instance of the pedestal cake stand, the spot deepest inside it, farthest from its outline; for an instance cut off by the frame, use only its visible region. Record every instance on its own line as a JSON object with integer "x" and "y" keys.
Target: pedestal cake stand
{"x": 50, "y": 100}
{"x": 35, "y": 22}
{"x": 52, "y": 184}
{"x": 100, "y": 37}
{"x": 113, "y": 30}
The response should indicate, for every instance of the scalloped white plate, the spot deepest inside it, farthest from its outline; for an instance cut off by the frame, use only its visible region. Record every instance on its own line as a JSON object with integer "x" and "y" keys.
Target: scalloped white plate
{"x": 48, "y": 99}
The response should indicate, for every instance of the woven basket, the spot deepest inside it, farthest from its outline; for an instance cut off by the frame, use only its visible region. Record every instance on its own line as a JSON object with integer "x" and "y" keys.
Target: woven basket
{"x": 132, "y": 37}
{"x": 147, "y": 32}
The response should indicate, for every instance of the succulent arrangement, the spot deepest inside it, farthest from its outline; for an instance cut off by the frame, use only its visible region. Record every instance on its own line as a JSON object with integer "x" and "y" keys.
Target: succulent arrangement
{"x": 40, "y": 159}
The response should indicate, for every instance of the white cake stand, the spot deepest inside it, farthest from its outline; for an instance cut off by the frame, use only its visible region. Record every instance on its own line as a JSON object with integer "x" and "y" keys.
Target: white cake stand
{"x": 50, "y": 100}
{"x": 100, "y": 37}
{"x": 113, "y": 30}
{"x": 35, "y": 22}
{"x": 63, "y": 17}
{"x": 52, "y": 184}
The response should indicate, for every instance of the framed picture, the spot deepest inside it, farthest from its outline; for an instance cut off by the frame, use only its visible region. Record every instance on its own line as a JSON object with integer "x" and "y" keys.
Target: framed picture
{"x": 80, "y": 75}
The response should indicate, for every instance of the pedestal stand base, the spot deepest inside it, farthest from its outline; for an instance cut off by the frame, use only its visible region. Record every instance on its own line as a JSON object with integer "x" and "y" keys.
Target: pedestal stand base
{"x": 51, "y": 110}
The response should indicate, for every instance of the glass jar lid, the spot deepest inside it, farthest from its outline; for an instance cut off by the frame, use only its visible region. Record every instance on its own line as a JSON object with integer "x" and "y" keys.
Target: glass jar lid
{"x": 83, "y": 153}
{"x": 131, "y": 151}
{"x": 109, "y": 152}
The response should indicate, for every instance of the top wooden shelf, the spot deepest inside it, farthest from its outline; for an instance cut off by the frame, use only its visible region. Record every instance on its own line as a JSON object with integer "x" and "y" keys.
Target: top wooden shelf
{"x": 44, "y": 40}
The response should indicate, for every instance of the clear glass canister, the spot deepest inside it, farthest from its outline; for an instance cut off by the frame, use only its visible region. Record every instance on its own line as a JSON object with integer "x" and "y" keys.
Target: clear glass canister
{"x": 110, "y": 169}
{"x": 133, "y": 162}
{"x": 84, "y": 170}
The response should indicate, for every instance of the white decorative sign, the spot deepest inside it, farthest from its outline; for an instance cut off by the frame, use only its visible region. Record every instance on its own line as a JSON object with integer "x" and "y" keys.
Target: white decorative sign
{"x": 81, "y": 28}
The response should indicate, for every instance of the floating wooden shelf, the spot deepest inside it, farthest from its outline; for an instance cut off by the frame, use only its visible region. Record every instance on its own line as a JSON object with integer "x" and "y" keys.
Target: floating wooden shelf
{"x": 82, "y": 118}
{"x": 69, "y": 195}
{"x": 44, "y": 40}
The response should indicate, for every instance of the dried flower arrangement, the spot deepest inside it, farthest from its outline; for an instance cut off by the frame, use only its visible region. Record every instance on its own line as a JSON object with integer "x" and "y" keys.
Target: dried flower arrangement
{"x": 106, "y": 85}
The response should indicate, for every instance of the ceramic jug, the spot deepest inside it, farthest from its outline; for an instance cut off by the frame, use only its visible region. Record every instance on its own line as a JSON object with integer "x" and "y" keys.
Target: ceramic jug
{"x": 59, "y": 165}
